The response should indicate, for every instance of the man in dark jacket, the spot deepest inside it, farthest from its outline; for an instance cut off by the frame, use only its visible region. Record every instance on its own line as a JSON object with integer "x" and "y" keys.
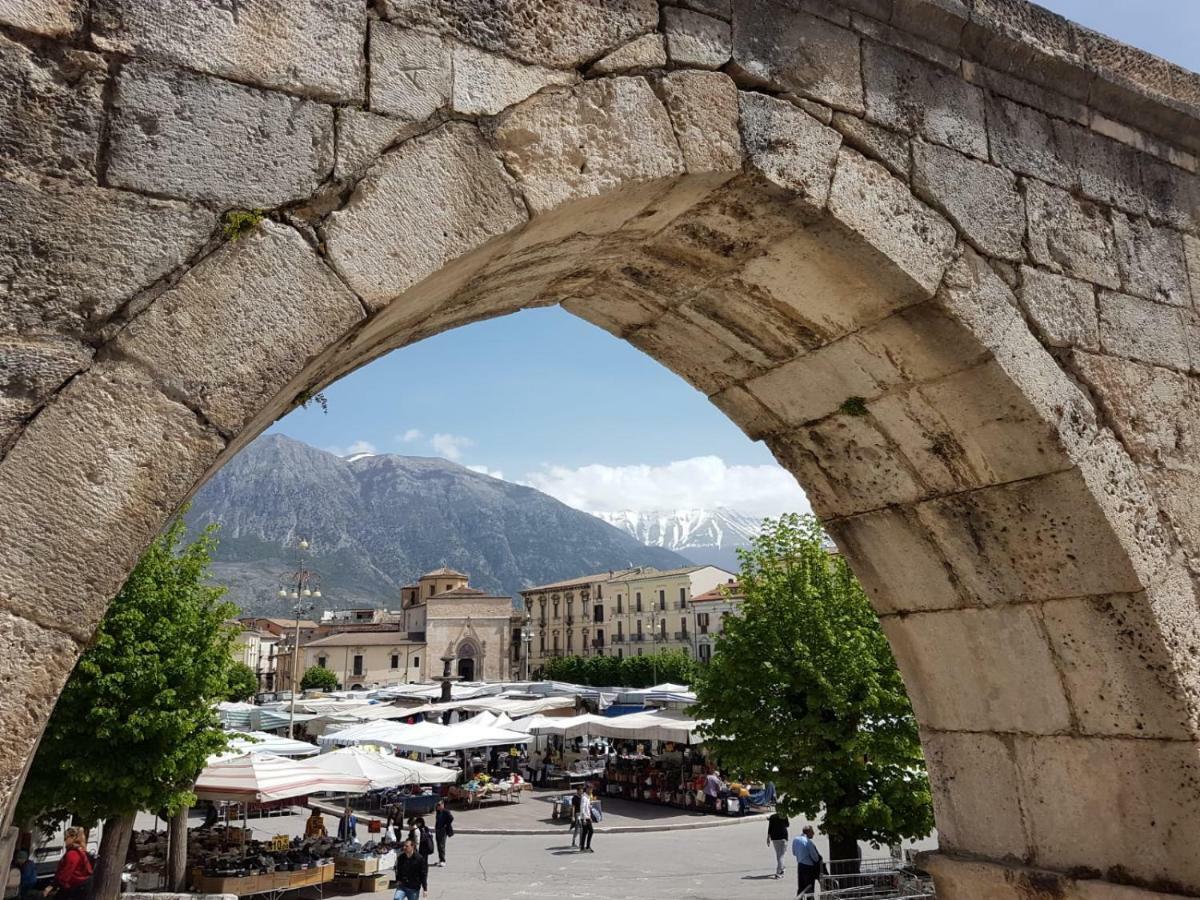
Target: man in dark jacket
{"x": 412, "y": 874}
{"x": 777, "y": 839}
{"x": 443, "y": 827}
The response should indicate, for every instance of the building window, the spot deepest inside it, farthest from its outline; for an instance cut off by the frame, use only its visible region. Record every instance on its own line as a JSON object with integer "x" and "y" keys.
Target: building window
{"x": 662, "y": 599}
{"x": 639, "y": 626}
{"x": 395, "y": 660}
{"x": 598, "y": 612}
{"x": 620, "y": 653}
{"x": 682, "y": 597}
{"x": 638, "y": 600}
{"x": 702, "y": 622}
{"x": 570, "y": 640}
{"x": 358, "y": 664}
{"x": 619, "y": 609}
{"x": 599, "y": 592}
{"x": 431, "y": 590}
{"x": 705, "y": 652}
{"x": 416, "y": 660}
{"x": 639, "y": 651}
{"x": 541, "y": 643}
{"x": 555, "y": 609}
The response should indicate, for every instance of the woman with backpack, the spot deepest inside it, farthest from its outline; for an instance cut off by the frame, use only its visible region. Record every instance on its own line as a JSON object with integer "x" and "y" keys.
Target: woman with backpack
{"x": 74, "y": 871}
{"x": 424, "y": 840}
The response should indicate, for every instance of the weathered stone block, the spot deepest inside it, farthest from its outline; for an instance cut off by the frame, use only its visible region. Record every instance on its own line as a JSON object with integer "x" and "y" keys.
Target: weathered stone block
{"x": 1014, "y": 685}
{"x": 722, "y": 9}
{"x": 696, "y": 40}
{"x": 49, "y": 17}
{"x": 975, "y": 793}
{"x": 777, "y": 46}
{"x": 1155, "y": 411}
{"x": 1070, "y": 236}
{"x": 50, "y": 109}
{"x": 70, "y": 256}
{"x": 909, "y": 94}
{"x": 1151, "y": 261}
{"x": 860, "y": 463}
{"x": 703, "y": 107}
{"x": 1038, "y": 539}
{"x": 1062, "y": 310}
{"x": 981, "y": 200}
{"x": 31, "y": 369}
{"x": 604, "y": 134}
{"x": 567, "y": 33}
{"x": 1172, "y": 194}
{"x": 197, "y": 137}
{"x": 1119, "y": 659}
{"x": 1030, "y": 143}
{"x": 1191, "y": 252}
{"x": 1143, "y": 330}
{"x": 485, "y": 84}
{"x": 363, "y": 136}
{"x": 873, "y": 203}
{"x": 1071, "y": 781}
{"x": 646, "y": 52}
{"x": 941, "y": 21}
{"x": 312, "y": 48}
{"x": 37, "y": 662}
{"x": 899, "y": 567}
{"x": 411, "y": 75}
{"x": 1026, "y": 40}
{"x": 746, "y": 412}
{"x": 1175, "y": 492}
{"x": 694, "y": 353}
{"x": 1108, "y": 171}
{"x": 1027, "y": 93}
{"x": 85, "y": 509}
{"x": 969, "y": 429}
{"x": 433, "y": 199}
{"x": 789, "y": 147}
{"x": 875, "y": 142}
{"x": 242, "y": 323}
{"x": 907, "y": 41}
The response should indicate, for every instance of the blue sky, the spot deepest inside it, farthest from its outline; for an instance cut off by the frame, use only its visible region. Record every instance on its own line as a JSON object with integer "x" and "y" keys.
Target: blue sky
{"x": 547, "y": 399}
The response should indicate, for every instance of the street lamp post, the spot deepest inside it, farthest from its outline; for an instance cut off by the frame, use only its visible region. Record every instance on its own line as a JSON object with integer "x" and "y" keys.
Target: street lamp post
{"x": 527, "y": 636}
{"x": 302, "y": 583}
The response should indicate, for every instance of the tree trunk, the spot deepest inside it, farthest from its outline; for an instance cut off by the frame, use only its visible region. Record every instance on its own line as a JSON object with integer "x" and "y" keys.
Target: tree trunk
{"x": 843, "y": 855}
{"x": 177, "y": 852}
{"x": 110, "y": 861}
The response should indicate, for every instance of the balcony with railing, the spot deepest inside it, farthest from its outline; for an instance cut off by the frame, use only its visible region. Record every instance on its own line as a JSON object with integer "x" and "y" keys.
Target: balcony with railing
{"x": 598, "y": 642}
{"x": 637, "y": 638}
{"x": 683, "y": 635}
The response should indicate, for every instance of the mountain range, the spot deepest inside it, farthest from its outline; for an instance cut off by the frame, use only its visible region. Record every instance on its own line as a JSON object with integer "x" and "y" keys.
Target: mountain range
{"x": 376, "y": 522}
{"x": 705, "y": 536}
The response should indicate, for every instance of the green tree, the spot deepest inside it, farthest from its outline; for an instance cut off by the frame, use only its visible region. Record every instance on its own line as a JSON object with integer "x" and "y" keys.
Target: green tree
{"x": 243, "y": 683}
{"x": 319, "y": 679}
{"x": 803, "y": 691}
{"x": 629, "y": 671}
{"x": 136, "y": 721}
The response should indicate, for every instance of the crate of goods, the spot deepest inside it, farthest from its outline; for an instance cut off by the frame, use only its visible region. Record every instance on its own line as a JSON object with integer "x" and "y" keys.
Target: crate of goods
{"x": 345, "y": 884}
{"x": 369, "y": 884}
{"x": 355, "y": 865}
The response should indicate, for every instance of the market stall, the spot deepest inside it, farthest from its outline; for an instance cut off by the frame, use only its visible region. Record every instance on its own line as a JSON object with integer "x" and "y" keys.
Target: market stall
{"x": 262, "y": 742}
{"x": 223, "y": 860}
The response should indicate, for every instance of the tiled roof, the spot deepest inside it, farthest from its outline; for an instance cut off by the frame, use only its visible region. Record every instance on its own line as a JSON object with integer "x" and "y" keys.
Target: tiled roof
{"x": 361, "y": 639}
{"x": 443, "y": 572}
{"x": 719, "y": 593}
{"x": 599, "y": 577}
{"x": 666, "y": 573}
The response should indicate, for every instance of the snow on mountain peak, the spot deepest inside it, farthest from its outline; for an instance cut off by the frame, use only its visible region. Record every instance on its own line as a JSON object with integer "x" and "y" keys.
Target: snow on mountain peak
{"x": 709, "y": 536}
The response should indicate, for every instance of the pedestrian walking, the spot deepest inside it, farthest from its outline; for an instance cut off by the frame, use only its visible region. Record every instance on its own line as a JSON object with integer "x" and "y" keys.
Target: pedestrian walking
{"x": 443, "y": 828}
{"x": 586, "y": 822}
{"x": 423, "y": 840}
{"x": 576, "y": 822}
{"x": 29, "y": 875}
{"x": 412, "y": 874}
{"x": 808, "y": 861}
{"x": 74, "y": 872}
{"x": 777, "y": 839}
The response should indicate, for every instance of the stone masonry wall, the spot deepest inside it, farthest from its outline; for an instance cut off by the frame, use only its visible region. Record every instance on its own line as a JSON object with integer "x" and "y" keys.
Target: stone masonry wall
{"x": 943, "y": 256}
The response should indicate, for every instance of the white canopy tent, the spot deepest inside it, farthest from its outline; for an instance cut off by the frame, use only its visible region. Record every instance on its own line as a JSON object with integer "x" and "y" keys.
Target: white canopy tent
{"x": 261, "y": 777}
{"x": 381, "y": 769}
{"x": 261, "y": 742}
{"x": 463, "y": 736}
{"x": 382, "y": 732}
{"x": 659, "y": 725}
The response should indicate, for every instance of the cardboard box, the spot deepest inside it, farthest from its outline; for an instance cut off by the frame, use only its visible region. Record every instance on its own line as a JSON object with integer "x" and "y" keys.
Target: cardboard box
{"x": 345, "y": 884}
{"x": 369, "y": 884}
{"x": 355, "y": 866}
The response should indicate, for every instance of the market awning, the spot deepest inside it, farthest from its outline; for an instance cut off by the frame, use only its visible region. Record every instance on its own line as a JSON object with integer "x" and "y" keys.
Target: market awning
{"x": 463, "y": 736}
{"x": 381, "y": 769}
{"x": 384, "y": 733}
{"x": 259, "y": 777}
{"x": 261, "y": 742}
{"x": 659, "y": 725}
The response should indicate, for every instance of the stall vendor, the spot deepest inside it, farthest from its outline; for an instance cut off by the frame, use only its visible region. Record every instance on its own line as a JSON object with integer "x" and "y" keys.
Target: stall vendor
{"x": 348, "y": 829}
{"x": 315, "y": 826}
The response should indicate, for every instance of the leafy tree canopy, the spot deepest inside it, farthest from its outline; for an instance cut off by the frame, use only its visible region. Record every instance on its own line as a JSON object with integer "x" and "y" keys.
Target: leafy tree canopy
{"x": 803, "y": 691}
{"x": 319, "y": 679}
{"x": 136, "y": 722}
{"x": 243, "y": 683}
{"x": 629, "y": 671}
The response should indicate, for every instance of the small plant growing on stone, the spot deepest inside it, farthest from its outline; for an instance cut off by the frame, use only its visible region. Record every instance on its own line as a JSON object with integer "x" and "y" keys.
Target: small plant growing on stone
{"x": 854, "y": 406}
{"x": 307, "y": 397}
{"x": 241, "y": 222}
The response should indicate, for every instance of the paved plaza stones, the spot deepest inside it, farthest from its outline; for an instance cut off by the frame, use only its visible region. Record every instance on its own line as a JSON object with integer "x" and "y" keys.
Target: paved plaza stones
{"x": 975, "y": 221}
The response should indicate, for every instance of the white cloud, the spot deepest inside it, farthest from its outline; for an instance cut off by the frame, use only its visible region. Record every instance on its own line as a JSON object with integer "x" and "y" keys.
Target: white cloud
{"x": 356, "y": 448}
{"x": 450, "y": 446}
{"x": 484, "y": 470}
{"x": 413, "y": 434}
{"x": 702, "y": 481}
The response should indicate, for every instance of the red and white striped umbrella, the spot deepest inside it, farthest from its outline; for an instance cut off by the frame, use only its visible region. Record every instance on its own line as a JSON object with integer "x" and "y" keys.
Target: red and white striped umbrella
{"x": 261, "y": 777}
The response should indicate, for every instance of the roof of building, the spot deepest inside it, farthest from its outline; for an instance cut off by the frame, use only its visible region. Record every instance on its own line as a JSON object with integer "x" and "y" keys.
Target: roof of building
{"x": 599, "y": 577}
{"x": 719, "y": 593}
{"x": 282, "y": 623}
{"x": 361, "y": 639}
{"x": 442, "y": 572}
{"x": 665, "y": 573}
{"x": 467, "y": 592}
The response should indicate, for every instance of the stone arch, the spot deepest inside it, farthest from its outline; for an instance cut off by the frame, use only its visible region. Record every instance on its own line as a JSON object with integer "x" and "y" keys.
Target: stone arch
{"x": 469, "y": 660}
{"x": 934, "y": 257}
